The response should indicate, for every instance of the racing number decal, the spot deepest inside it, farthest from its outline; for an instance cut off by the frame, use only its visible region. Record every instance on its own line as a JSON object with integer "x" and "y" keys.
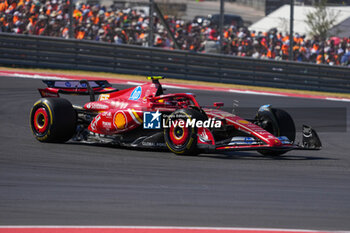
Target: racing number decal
{"x": 103, "y": 97}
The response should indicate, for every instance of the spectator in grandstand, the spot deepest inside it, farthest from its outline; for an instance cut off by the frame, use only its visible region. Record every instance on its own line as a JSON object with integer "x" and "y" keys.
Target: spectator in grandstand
{"x": 128, "y": 26}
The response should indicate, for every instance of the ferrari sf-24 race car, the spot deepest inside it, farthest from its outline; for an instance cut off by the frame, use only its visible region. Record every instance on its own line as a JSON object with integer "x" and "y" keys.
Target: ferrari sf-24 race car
{"x": 145, "y": 117}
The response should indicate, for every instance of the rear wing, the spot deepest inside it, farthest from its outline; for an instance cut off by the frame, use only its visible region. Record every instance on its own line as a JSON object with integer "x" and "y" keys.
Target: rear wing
{"x": 76, "y": 87}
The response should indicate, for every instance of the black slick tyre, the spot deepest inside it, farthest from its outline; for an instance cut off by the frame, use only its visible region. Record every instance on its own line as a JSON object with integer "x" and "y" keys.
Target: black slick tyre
{"x": 53, "y": 120}
{"x": 279, "y": 123}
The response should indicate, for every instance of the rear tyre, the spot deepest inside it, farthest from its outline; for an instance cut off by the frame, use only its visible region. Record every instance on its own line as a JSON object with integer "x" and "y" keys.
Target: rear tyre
{"x": 279, "y": 123}
{"x": 182, "y": 140}
{"x": 53, "y": 120}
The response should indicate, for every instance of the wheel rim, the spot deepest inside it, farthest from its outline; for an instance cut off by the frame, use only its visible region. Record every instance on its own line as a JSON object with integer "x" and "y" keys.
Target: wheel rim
{"x": 178, "y": 135}
{"x": 41, "y": 120}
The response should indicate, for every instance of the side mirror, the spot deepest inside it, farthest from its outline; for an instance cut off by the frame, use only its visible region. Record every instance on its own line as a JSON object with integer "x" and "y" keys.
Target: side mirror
{"x": 218, "y": 104}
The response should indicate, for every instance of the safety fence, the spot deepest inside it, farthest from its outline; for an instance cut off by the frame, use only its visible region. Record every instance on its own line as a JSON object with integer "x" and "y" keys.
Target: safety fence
{"x": 57, "y": 53}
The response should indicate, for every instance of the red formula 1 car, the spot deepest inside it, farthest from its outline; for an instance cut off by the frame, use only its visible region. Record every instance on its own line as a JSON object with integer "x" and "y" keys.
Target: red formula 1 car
{"x": 145, "y": 117}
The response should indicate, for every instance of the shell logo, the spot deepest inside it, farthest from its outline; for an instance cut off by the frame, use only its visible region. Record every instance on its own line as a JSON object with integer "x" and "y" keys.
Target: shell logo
{"x": 120, "y": 120}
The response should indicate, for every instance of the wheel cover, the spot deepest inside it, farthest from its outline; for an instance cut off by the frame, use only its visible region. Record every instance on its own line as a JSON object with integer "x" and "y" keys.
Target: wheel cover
{"x": 178, "y": 135}
{"x": 41, "y": 120}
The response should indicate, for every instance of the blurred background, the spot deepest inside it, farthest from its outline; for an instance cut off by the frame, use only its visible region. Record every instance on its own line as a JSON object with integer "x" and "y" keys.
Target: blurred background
{"x": 245, "y": 28}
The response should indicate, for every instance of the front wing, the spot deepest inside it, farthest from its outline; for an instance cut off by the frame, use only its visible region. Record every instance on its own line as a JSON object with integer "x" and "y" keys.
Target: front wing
{"x": 310, "y": 141}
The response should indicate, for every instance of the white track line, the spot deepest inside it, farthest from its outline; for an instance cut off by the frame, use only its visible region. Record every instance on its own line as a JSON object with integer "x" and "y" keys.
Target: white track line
{"x": 336, "y": 99}
{"x": 135, "y": 83}
{"x": 257, "y": 93}
{"x": 173, "y": 227}
{"x": 174, "y": 86}
{"x": 37, "y": 76}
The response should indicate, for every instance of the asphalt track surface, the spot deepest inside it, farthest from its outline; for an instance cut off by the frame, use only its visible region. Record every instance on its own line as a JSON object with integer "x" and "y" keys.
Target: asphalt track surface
{"x": 79, "y": 184}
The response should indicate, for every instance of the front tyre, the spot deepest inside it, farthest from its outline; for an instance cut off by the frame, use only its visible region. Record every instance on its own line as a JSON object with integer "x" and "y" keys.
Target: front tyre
{"x": 279, "y": 123}
{"x": 182, "y": 140}
{"x": 53, "y": 120}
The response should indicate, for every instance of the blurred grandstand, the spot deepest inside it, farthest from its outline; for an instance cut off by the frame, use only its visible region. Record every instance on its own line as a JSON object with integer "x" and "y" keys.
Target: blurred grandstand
{"x": 123, "y": 22}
